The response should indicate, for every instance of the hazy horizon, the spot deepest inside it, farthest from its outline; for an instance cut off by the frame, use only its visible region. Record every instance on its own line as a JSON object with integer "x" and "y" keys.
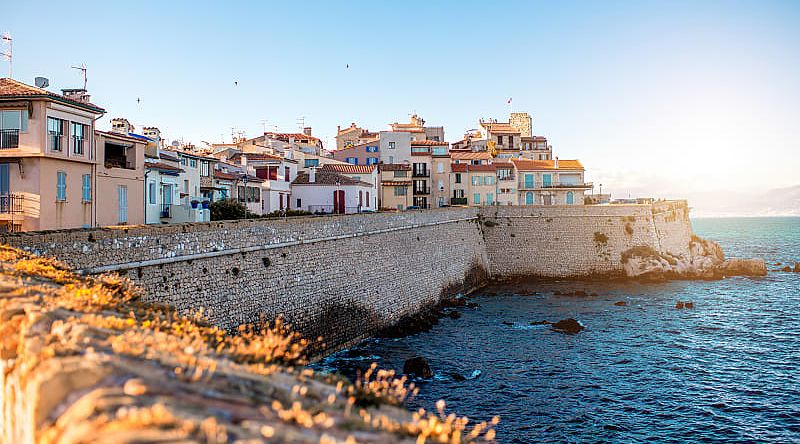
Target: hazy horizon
{"x": 670, "y": 101}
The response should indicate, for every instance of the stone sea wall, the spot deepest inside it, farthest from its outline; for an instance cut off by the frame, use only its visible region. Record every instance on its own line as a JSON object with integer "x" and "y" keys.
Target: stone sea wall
{"x": 346, "y": 277}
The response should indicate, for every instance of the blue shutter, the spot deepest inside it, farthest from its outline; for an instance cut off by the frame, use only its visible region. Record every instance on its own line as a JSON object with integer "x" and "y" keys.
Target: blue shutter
{"x": 61, "y": 186}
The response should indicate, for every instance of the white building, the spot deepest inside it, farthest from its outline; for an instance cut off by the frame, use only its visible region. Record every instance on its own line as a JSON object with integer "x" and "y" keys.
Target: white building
{"x": 167, "y": 191}
{"x": 362, "y": 173}
{"x": 326, "y": 192}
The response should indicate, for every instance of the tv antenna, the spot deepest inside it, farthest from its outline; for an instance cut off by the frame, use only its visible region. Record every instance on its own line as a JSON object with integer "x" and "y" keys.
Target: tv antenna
{"x": 6, "y": 52}
{"x": 301, "y": 122}
{"x": 82, "y": 69}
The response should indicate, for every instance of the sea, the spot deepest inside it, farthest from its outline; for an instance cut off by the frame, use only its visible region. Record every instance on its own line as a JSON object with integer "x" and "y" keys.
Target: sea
{"x": 727, "y": 370}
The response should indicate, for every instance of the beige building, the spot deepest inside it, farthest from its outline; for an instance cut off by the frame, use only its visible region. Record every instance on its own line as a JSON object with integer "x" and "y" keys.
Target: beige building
{"x": 119, "y": 179}
{"x": 395, "y": 192}
{"x": 47, "y": 158}
{"x": 550, "y": 182}
{"x": 473, "y": 185}
{"x": 353, "y": 135}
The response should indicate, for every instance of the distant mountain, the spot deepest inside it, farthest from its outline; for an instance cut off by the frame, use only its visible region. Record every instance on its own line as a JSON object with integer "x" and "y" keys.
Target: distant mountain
{"x": 774, "y": 202}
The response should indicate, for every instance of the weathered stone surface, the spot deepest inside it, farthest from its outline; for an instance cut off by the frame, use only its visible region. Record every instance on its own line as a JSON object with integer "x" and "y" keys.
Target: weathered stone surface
{"x": 569, "y": 326}
{"x": 742, "y": 267}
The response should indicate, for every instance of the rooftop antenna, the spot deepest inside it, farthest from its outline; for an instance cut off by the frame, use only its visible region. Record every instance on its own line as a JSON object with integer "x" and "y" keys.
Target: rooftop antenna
{"x": 264, "y": 125}
{"x": 6, "y": 52}
{"x": 82, "y": 69}
{"x": 301, "y": 122}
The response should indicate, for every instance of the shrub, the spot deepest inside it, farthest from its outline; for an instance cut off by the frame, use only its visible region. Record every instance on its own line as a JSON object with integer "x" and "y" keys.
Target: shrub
{"x": 228, "y": 209}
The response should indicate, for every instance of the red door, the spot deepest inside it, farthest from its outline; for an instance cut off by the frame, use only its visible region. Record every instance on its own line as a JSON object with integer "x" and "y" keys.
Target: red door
{"x": 338, "y": 201}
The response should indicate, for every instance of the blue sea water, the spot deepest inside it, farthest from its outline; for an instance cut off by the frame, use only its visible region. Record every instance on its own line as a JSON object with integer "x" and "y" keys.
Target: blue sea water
{"x": 726, "y": 371}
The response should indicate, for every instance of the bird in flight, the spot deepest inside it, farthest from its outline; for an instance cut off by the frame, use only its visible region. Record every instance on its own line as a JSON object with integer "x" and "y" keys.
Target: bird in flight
{"x": 138, "y": 100}
{"x": 347, "y": 66}
{"x": 236, "y": 83}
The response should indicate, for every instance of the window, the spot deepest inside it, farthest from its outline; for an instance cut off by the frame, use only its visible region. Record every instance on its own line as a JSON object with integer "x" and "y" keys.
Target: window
{"x": 499, "y": 140}
{"x": 151, "y": 193}
{"x": 61, "y": 186}
{"x": 367, "y": 198}
{"x": 78, "y": 132}
{"x": 372, "y": 161}
{"x": 372, "y": 149}
{"x": 511, "y": 141}
{"x": 529, "y": 181}
{"x": 458, "y": 177}
{"x": 352, "y": 160}
{"x": 122, "y": 203}
{"x": 11, "y": 124}
{"x": 476, "y": 180}
{"x": 476, "y": 198}
{"x": 360, "y": 198}
{"x": 204, "y": 169}
{"x": 86, "y": 190}
{"x": 55, "y": 132}
{"x": 547, "y": 180}
{"x": 458, "y": 194}
{"x": 5, "y": 189}
{"x": 400, "y": 191}
{"x": 489, "y": 199}
{"x": 391, "y": 145}
{"x": 400, "y": 174}
{"x": 475, "y": 162}
{"x": 193, "y": 163}
{"x": 488, "y": 180}
{"x": 391, "y": 159}
{"x": 529, "y": 198}
{"x": 286, "y": 174}
{"x": 570, "y": 198}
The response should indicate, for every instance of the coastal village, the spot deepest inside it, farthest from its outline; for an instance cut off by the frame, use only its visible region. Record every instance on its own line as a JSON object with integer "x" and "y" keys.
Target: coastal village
{"x": 58, "y": 170}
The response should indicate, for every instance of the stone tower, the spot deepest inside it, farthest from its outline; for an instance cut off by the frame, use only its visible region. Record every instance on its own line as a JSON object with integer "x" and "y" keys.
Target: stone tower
{"x": 522, "y": 122}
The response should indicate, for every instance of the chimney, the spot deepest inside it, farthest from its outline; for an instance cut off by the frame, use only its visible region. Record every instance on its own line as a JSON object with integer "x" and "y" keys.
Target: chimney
{"x": 555, "y": 163}
{"x": 312, "y": 175}
{"x": 121, "y": 126}
{"x": 307, "y": 131}
{"x": 243, "y": 160}
{"x": 76, "y": 94}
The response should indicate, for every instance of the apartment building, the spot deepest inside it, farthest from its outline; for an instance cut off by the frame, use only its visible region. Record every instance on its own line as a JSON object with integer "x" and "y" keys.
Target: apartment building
{"x": 550, "y": 182}
{"x": 119, "y": 178}
{"x": 362, "y": 173}
{"x": 276, "y": 174}
{"x": 395, "y": 191}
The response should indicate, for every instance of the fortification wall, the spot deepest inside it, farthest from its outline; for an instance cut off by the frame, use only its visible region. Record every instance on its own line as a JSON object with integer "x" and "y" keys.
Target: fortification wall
{"x": 574, "y": 241}
{"x": 345, "y": 277}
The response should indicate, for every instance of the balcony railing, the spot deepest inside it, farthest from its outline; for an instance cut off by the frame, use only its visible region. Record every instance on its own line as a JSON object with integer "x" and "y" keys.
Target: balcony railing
{"x": 566, "y": 185}
{"x": 509, "y": 177}
{"x": 458, "y": 201}
{"x": 422, "y": 191}
{"x": 166, "y": 210}
{"x": 11, "y": 204}
{"x": 9, "y": 138}
{"x": 421, "y": 173}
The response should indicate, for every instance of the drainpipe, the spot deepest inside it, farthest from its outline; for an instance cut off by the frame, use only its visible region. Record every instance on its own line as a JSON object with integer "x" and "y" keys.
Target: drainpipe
{"x": 144, "y": 196}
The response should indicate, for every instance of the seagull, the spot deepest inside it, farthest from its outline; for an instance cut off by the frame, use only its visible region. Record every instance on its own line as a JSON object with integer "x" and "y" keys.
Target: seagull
{"x": 236, "y": 83}
{"x": 347, "y": 66}
{"x": 138, "y": 100}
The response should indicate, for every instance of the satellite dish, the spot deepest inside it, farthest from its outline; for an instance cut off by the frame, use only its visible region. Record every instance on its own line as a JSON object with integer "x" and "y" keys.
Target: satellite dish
{"x": 41, "y": 82}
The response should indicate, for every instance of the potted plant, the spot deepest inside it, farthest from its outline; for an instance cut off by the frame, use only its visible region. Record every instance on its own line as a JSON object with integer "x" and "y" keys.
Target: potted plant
{"x": 194, "y": 204}
{"x": 206, "y": 204}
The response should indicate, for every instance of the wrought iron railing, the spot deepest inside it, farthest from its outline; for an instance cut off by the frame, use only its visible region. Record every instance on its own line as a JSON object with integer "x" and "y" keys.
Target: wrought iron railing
{"x": 9, "y": 138}
{"x": 458, "y": 201}
{"x": 11, "y": 204}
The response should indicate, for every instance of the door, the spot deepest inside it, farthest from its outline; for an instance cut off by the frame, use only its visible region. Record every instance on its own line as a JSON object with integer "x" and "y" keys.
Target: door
{"x": 338, "y": 201}
{"x": 570, "y": 198}
{"x": 122, "y": 203}
{"x": 529, "y": 198}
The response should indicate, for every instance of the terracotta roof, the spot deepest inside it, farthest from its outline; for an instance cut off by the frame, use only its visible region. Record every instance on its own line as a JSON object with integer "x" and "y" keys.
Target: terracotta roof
{"x": 327, "y": 178}
{"x": 465, "y": 167}
{"x": 529, "y": 165}
{"x": 226, "y": 175}
{"x": 395, "y": 167}
{"x": 10, "y": 88}
{"x": 429, "y": 143}
{"x": 534, "y": 139}
{"x": 500, "y": 127}
{"x": 256, "y": 157}
{"x": 480, "y": 155}
{"x": 501, "y": 165}
{"x": 162, "y": 166}
{"x": 395, "y": 183}
{"x": 348, "y": 168}
{"x": 119, "y": 136}
{"x": 371, "y": 142}
{"x": 284, "y": 137}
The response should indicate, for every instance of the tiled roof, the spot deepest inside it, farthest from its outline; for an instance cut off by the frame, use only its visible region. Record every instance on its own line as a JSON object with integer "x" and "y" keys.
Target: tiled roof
{"x": 501, "y": 165}
{"x": 119, "y": 136}
{"x": 285, "y": 136}
{"x": 465, "y": 167}
{"x": 348, "y": 168}
{"x": 371, "y": 142}
{"x": 395, "y": 183}
{"x": 225, "y": 175}
{"x": 530, "y": 165}
{"x": 256, "y": 157}
{"x": 480, "y": 155}
{"x": 327, "y": 178}
{"x": 162, "y": 167}
{"x": 395, "y": 167}
{"x": 534, "y": 139}
{"x": 428, "y": 143}
{"x": 500, "y": 127}
{"x": 10, "y": 88}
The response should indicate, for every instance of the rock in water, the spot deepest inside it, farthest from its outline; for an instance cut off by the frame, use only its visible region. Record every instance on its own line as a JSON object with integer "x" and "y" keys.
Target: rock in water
{"x": 620, "y": 303}
{"x": 569, "y": 326}
{"x": 458, "y": 377}
{"x": 541, "y": 323}
{"x": 742, "y": 267}
{"x": 786, "y": 269}
{"x": 679, "y": 305}
{"x": 796, "y": 267}
{"x": 454, "y": 314}
{"x": 417, "y": 366}
{"x": 689, "y": 304}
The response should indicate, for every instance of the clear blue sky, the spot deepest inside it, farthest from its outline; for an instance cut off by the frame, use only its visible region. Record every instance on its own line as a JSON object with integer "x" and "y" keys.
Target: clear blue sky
{"x": 661, "y": 99}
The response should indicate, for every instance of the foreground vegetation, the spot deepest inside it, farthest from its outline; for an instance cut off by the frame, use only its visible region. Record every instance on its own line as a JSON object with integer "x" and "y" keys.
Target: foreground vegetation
{"x": 84, "y": 359}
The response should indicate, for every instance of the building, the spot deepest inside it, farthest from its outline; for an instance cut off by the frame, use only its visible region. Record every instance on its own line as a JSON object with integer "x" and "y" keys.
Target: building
{"x": 353, "y": 135}
{"x": 48, "y": 158}
{"x": 120, "y": 178}
{"x": 366, "y": 153}
{"x": 550, "y": 182}
{"x": 470, "y": 157}
{"x": 276, "y": 174}
{"x": 473, "y": 185}
{"x": 328, "y": 192}
{"x": 362, "y": 173}
{"x": 395, "y": 191}
{"x": 440, "y": 174}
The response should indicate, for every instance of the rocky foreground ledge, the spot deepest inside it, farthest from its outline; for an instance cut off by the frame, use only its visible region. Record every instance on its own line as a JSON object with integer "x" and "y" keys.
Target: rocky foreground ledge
{"x": 83, "y": 360}
{"x": 706, "y": 260}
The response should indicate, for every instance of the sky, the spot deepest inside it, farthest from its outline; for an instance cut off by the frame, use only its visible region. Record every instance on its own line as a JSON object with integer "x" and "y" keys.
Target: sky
{"x": 663, "y": 99}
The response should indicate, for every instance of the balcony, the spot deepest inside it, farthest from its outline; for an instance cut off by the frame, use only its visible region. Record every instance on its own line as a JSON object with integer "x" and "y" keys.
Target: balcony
{"x": 458, "y": 201}
{"x": 421, "y": 173}
{"x": 9, "y": 138}
{"x": 421, "y": 191}
{"x": 509, "y": 177}
{"x": 565, "y": 185}
{"x": 12, "y": 204}
{"x": 166, "y": 211}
